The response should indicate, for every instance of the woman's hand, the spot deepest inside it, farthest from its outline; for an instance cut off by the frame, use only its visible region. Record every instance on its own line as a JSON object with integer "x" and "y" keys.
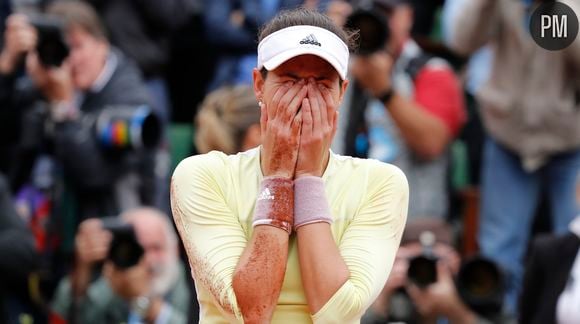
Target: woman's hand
{"x": 280, "y": 124}
{"x": 319, "y": 118}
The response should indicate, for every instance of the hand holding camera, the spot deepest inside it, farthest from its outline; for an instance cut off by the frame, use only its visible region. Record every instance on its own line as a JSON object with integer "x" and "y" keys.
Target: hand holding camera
{"x": 19, "y": 38}
{"x": 441, "y": 299}
{"x": 91, "y": 242}
{"x": 112, "y": 240}
{"x": 373, "y": 72}
{"x": 54, "y": 82}
{"x": 372, "y": 64}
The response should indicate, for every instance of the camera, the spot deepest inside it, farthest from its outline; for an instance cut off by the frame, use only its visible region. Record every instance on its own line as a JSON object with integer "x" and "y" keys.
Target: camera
{"x": 422, "y": 269}
{"x": 124, "y": 251}
{"x": 480, "y": 283}
{"x": 372, "y": 26}
{"x": 123, "y": 128}
{"x": 51, "y": 46}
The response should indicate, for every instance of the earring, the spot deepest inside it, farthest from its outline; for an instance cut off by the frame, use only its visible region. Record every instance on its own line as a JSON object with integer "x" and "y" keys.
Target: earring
{"x": 260, "y": 103}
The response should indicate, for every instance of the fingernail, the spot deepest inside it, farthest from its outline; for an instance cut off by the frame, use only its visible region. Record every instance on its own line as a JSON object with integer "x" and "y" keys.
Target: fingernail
{"x": 302, "y": 81}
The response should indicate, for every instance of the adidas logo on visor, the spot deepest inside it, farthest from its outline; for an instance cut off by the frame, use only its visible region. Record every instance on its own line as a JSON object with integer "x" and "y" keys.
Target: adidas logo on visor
{"x": 310, "y": 39}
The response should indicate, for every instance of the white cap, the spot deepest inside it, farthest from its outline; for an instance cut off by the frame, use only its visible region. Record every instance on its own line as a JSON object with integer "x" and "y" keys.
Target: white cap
{"x": 290, "y": 42}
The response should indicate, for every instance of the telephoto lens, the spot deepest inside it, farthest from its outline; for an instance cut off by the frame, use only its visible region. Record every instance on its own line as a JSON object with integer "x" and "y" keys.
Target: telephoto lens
{"x": 128, "y": 128}
{"x": 480, "y": 285}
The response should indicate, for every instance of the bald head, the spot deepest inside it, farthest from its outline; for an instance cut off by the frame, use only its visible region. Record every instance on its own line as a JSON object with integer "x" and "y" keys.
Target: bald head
{"x": 148, "y": 220}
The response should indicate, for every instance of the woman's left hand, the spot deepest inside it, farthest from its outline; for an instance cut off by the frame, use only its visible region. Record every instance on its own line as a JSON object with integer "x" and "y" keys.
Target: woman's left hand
{"x": 319, "y": 120}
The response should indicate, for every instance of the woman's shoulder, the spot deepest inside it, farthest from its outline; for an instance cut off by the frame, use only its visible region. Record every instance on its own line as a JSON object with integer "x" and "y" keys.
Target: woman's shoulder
{"x": 215, "y": 163}
{"x": 200, "y": 163}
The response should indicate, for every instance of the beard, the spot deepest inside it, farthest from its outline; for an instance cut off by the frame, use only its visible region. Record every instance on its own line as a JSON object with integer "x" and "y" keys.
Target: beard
{"x": 164, "y": 277}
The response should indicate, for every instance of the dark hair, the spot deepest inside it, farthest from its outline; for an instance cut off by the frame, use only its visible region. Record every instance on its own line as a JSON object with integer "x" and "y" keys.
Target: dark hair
{"x": 78, "y": 14}
{"x": 303, "y": 16}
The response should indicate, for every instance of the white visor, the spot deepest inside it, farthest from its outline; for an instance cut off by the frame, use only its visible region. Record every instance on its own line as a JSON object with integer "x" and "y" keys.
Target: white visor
{"x": 290, "y": 42}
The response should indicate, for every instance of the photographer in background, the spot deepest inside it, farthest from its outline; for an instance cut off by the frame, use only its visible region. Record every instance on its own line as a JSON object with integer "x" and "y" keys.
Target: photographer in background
{"x": 154, "y": 290}
{"x": 405, "y": 107}
{"x": 530, "y": 108}
{"x": 56, "y": 109}
{"x": 417, "y": 292}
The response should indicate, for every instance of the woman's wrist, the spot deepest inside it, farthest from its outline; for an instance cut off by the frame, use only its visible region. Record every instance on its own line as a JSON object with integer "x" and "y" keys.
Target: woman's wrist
{"x": 310, "y": 203}
{"x": 275, "y": 203}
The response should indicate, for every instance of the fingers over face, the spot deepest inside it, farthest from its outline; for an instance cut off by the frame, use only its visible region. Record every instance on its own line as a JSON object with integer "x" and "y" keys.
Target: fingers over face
{"x": 331, "y": 106}
{"x": 319, "y": 114}
{"x": 280, "y": 92}
{"x": 307, "y": 122}
{"x": 295, "y": 96}
{"x": 297, "y": 125}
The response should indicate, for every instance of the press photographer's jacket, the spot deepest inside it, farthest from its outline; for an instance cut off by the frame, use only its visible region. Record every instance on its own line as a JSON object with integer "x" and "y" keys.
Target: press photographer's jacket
{"x": 531, "y": 103}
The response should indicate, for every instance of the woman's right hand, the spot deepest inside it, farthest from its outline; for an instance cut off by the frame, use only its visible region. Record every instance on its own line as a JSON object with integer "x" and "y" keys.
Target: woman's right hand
{"x": 280, "y": 124}
{"x": 19, "y": 38}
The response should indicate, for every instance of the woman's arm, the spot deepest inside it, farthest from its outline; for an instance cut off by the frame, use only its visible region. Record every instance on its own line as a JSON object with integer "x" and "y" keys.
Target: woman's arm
{"x": 341, "y": 279}
{"x": 223, "y": 261}
{"x": 244, "y": 276}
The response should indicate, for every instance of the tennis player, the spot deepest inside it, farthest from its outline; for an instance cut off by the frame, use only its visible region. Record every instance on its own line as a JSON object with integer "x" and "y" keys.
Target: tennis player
{"x": 290, "y": 232}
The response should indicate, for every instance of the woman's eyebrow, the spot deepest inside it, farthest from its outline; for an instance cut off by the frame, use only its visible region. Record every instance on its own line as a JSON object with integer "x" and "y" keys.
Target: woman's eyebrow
{"x": 322, "y": 78}
{"x": 291, "y": 75}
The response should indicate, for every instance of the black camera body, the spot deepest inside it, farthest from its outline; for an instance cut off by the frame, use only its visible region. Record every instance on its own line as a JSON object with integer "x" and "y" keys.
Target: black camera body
{"x": 372, "y": 26}
{"x": 422, "y": 269}
{"x": 51, "y": 46}
{"x": 480, "y": 282}
{"x": 125, "y": 250}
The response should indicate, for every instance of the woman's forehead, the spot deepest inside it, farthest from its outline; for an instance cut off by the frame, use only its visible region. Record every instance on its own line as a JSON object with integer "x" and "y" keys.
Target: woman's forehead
{"x": 307, "y": 65}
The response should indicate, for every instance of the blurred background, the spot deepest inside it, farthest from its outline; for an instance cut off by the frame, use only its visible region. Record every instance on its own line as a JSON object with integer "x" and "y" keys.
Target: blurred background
{"x": 100, "y": 99}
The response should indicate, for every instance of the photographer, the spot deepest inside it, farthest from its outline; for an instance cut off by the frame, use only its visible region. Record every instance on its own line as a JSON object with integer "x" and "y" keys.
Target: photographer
{"x": 154, "y": 289}
{"x": 406, "y": 297}
{"x": 405, "y": 107}
{"x": 531, "y": 111}
{"x": 55, "y": 109}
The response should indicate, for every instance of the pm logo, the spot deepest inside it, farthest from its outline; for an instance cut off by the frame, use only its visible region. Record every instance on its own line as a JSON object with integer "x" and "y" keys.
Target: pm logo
{"x": 554, "y": 26}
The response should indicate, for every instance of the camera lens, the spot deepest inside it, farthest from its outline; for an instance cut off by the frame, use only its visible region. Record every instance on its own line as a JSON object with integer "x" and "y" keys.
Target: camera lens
{"x": 480, "y": 284}
{"x": 422, "y": 270}
{"x": 373, "y": 30}
{"x": 125, "y": 128}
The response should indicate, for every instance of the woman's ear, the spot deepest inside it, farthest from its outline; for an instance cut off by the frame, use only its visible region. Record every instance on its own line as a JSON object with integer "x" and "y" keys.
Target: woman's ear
{"x": 342, "y": 91}
{"x": 258, "y": 84}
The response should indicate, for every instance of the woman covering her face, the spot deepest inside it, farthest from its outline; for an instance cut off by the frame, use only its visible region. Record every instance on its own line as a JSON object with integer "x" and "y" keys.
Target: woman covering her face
{"x": 290, "y": 232}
